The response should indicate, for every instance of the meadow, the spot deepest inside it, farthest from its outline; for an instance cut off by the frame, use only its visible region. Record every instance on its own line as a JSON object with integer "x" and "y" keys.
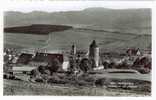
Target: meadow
{"x": 14, "y": 87}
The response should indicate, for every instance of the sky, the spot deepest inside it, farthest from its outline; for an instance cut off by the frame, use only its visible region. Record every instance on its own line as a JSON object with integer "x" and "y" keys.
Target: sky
{"x": 54, "y": 6}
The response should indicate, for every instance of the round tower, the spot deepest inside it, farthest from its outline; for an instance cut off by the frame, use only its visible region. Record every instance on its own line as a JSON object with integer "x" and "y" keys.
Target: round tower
{"x": 94, "y": 53}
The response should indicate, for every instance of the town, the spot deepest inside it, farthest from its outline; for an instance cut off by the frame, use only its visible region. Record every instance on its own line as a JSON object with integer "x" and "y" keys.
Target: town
{"x": 93, "y": 68}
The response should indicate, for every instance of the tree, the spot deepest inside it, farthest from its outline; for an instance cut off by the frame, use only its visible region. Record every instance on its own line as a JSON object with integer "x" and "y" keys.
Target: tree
{"x": 85, "y": 65}
{"x": 54, "y": 65}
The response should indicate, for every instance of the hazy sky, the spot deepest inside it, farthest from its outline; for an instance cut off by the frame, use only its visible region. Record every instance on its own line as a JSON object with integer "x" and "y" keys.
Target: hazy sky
{"x": 71, "y": 5}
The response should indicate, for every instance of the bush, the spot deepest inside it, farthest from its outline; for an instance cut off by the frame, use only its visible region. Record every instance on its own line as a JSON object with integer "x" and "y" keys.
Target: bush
{"x": 102, "y": 82}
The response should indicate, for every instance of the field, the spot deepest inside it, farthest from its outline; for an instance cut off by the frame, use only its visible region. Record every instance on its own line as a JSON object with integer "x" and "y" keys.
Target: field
{"x": 14, "y": 87}
{"x": 138, "y": 85}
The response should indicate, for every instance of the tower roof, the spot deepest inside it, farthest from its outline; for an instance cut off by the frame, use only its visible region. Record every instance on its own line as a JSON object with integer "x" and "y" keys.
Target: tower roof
{"x": 73, "y": 46}
{"x": 93, "y": 44}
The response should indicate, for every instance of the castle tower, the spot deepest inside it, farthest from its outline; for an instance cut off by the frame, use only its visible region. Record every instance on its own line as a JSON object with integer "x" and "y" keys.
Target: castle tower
{"x": 94, "y": 53}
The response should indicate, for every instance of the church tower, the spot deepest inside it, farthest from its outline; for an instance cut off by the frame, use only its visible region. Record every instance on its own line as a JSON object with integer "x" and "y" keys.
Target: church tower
{"x": 73, "y": 50}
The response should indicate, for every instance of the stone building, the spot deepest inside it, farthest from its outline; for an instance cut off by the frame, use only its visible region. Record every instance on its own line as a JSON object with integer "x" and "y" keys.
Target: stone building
{"x": 94, "y": 54}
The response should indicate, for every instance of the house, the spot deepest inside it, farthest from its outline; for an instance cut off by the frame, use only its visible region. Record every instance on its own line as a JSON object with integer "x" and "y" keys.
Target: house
{"x": 25, "y": 58}
{"x": 147, "y": 51}
{"x": 133, "y": 52}
{"x": 143, "y": 64}
{"x": 48, "y": 57}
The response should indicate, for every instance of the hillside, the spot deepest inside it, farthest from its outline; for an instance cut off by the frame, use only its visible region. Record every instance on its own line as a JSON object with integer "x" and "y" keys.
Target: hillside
{"x": 82, "y": 38}
{"x": 112, "y": 29}
{"x": 99, "y": 18}
{"x": 106, "y": 40}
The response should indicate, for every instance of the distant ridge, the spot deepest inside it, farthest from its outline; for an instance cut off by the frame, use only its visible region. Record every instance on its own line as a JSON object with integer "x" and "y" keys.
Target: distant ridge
{"x": 116, "y": 19}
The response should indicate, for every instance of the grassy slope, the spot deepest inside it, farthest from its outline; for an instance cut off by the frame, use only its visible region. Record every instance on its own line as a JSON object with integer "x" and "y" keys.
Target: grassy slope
{"x": 82, "y": 38}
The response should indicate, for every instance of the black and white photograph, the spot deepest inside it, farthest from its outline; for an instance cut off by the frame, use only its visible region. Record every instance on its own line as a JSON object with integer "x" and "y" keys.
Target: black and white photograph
{"x": 88, "y": 49}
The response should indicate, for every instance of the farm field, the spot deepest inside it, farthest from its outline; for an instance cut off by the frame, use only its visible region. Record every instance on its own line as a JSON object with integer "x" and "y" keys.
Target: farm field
{"x": 14, "y": 87}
